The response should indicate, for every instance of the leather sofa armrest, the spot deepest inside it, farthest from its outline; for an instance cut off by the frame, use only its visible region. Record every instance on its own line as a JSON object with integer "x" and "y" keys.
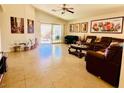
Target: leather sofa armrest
{"x": 92, "y": 55}
{"x": 97, "y": 42}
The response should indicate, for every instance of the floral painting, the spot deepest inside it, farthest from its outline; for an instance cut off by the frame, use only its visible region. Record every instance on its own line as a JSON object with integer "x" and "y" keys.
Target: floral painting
{"x": 84, "y": 27}
{"x": 30, "y": 24}
{"x": 17, "y": 25}
{"x": 109, "y": 25}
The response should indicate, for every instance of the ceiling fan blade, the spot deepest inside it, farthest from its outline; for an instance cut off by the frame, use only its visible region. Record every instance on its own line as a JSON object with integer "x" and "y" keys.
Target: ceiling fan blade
{"x": 69, "y": 11}
{"x": 56, "y": 10}
{"x": 71, "y": 8}
{"x": 64, "y": 9}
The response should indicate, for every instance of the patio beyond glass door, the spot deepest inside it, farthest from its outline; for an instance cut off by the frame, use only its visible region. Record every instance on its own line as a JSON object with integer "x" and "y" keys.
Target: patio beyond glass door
{"x": 56, "y": 33}
{"x": 51, "y": 33}
{"x": 46, "y": 33}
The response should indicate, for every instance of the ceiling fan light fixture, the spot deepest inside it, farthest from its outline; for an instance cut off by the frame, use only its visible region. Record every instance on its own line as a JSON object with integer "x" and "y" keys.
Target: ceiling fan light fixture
{"x": 63, "y": 12}
{"x": 64, "y": 9}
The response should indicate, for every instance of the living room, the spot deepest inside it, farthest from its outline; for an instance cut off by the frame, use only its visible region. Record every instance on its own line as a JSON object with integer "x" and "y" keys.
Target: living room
{"x": 49, "y": 65}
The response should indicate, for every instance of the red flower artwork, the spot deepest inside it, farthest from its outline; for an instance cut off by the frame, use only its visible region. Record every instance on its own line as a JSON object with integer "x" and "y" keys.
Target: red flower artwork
{"x": 106, "y": 26}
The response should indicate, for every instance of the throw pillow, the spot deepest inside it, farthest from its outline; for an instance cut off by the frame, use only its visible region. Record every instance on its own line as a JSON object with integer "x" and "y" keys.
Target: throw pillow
{"x": 78, "y": 42}
{"x": 88, "y": 40}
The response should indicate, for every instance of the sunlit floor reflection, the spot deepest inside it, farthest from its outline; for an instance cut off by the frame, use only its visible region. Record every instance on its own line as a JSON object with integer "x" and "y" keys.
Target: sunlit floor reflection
{"x": 50, "y": 50}
{"x": 57, "y": 51}
{"x": 48, "y": 66}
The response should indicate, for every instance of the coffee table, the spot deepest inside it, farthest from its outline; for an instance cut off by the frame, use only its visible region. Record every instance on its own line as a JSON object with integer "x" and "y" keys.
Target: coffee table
{"x": 77, "y": 50}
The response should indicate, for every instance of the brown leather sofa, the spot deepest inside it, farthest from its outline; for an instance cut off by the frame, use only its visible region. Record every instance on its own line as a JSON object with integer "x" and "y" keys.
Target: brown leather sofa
{"x": 70, "y": 39}
{"x": 105, "y": 65}
{"x": 84, "y": 45}
{"x": 102, "y": 44}
{"x": 91, "y": 38}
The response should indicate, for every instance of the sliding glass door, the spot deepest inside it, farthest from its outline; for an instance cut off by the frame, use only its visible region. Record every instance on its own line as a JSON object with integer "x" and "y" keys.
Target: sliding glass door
{"x": 51, "y": 33}
{"x": 46, "y": 33}
{"x": 56, "y": 34}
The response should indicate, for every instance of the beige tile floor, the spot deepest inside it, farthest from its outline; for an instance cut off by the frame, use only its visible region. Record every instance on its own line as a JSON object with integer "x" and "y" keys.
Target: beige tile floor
{"x": 49, "y": 66}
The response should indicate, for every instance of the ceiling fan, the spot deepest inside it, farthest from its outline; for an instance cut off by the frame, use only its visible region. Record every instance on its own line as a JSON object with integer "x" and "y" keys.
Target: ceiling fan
{"x": 64, "y": 9}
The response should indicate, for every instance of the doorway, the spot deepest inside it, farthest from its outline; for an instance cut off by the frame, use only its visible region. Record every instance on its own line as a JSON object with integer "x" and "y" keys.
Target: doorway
{"x": 51, "y": 33}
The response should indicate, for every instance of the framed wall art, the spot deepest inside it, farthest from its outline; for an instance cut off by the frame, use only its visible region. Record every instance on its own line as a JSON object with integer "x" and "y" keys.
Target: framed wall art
{"x": 30, "y": 26}
{"x": 77, "y": 27}
{"x": 71, "y": 27}
{"x": 84, "y": 27}
{"x": 108, "y": 25}
{"x": 17, "y": 25}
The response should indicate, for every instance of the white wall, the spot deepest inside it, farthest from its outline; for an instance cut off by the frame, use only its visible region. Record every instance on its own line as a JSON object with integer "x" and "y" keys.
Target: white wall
{"x": 120, "y": 13}
{"x": 42, "y": 17}
{"x": 26, "y": 12}
{"x": 0, "y": 29}
{"x": 0, "y": 41}
{"x": 21, "y": 11}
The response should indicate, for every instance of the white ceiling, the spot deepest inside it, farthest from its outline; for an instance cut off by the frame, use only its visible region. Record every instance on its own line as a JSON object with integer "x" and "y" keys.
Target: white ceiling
{"x": 81, "y": 10}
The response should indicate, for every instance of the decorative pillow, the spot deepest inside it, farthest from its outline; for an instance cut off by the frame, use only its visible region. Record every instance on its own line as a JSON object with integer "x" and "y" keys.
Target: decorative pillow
{"x": 89, "y": 40}
{"x": 78, "y": 42}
